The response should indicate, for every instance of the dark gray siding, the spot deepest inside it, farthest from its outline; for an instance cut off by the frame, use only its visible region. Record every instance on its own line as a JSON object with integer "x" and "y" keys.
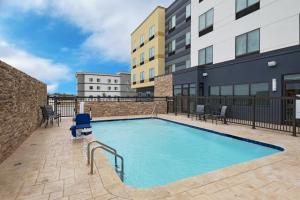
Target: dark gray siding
{"x": 251, "y": 69}
{"x": 182, "y": 54}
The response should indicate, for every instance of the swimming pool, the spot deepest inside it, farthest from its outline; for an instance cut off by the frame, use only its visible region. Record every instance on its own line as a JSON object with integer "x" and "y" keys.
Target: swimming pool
{"x": 157, "y": 152}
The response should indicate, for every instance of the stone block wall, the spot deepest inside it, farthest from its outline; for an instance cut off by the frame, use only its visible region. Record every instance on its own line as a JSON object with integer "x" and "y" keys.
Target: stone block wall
{"x": 109, "y": 109}
{"x": 163, "y": 86}
{"x": 20, "y": 99}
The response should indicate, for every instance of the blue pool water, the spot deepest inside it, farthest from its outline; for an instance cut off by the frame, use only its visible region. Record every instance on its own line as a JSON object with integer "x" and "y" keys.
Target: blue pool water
{"x": 157, "y": 152}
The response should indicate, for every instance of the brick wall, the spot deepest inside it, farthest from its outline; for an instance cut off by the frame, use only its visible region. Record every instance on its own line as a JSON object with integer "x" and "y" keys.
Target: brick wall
{"x": 108, "y": 109}
{"x": 20, "y": 99}
{"x": 163, "y": 86}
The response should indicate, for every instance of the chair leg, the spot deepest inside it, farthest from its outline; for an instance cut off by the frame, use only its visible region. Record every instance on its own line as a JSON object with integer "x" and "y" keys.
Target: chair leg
{"x": 46, "y": 123}
{"x": 58, "y": 121}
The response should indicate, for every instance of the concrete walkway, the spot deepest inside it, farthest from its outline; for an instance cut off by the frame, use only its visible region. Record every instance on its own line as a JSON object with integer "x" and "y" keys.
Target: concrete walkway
{"x": 49, "y": 165}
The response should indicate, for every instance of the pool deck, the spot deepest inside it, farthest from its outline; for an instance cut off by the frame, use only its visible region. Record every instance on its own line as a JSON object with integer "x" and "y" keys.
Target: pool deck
{"x": 49, "y": 165}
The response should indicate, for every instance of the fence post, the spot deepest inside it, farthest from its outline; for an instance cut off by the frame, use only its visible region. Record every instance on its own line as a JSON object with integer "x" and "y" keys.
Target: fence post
{"x": 175, "y": 103}
{"x": 294, "y": 117}
{"x": 188, "y": 106}
{"x": 167, "y": 105}
{"x": 253, "y": 111}
{"x": 225, "y": 103}
{"x": 55, "y": 104}
{"x": 75, "y": 109}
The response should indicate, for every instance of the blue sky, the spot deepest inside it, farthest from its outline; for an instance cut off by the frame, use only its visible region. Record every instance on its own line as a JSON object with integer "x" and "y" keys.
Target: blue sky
{"x": 52, "y": 40}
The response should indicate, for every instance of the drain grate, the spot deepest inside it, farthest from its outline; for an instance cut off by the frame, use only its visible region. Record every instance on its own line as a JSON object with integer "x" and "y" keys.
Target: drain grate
{"x": 17, "y": 164}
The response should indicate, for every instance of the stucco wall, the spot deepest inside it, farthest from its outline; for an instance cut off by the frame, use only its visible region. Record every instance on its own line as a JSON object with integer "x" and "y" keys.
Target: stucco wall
{"x": 20, "y": 99}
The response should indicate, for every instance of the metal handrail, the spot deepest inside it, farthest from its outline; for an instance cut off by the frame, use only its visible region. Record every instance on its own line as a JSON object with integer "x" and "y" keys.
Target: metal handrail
{"x": 112, "y": 152}
{"x": 102, "y": 144}
{"x": 154, "y": 109}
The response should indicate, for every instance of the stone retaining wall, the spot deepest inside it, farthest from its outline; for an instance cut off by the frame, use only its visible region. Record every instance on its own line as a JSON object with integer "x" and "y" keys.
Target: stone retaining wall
{"x": 20, "y": 99}
{"x": 109, "y": 109}
{"x": 163, "y": 86}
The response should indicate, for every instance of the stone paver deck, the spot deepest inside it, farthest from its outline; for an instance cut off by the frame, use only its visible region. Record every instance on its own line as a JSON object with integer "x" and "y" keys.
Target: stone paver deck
{"x": 49, "y": 165}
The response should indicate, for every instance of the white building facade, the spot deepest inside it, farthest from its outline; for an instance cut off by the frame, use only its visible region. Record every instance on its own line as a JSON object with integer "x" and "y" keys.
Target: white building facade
{"x": 104, "y": 85}
{"x": 276, "y": 23}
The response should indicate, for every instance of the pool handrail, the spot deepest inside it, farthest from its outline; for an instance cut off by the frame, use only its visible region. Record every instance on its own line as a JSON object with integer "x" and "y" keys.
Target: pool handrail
{"x": 116, "y": 156}
{"x": 102, "y": 144}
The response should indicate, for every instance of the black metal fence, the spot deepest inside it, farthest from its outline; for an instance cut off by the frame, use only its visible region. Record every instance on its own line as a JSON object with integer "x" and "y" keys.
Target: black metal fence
{"x": 277, "y": 113}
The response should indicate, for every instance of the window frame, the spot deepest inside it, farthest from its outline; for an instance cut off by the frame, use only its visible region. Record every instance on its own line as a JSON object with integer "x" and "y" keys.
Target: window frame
{"x": 247, "y": 44}
{"x": 188, "y": 8}
{"x": 142, "y": 61}
{"x": 151, "y": 32}
{"x": 247, "y": 10}
{"x": 206, "y": 28}
{"x": 205, "y": 50}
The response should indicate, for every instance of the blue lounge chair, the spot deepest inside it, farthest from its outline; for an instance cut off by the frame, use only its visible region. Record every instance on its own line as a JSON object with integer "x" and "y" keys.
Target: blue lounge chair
{"x": 83, "y": 121}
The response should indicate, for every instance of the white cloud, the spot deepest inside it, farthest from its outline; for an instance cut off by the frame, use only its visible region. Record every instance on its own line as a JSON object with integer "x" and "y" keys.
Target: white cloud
{"x": 40, "y": 68}
{"x": 52, "y": 88}
{"x": 110, "y": 22}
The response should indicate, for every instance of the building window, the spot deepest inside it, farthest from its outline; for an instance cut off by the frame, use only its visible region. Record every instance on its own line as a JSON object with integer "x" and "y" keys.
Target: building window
{"x": 133, "y": 78}
{"x": 116, "y": 88}
{"x": 108, "y": 88}
{"x": 151, "y": 32}
{"x": 173, "y": 67}
{"x": 188, "y": 11}
{"x": 172, "y": 23}
{"x": 151, "y": 73}
{"x": 142, "y": 40}
{"x": 205, "y": 56}
{"x": 214, "y": 91}
{"x": 133, "y": 62}
{"x": 172, "y": 47}
{"x": 245, "y": 7}
{"x": 91, "y": 80}
{"x": 142, "y": 58}
{"x": 227, "y": 90}
{"x": 142, "y": 76}
{"x": 133, "y": 47}
{"x": 151, "y": 53}
{"x": 260, "y": 89}
{"x": 177, "y": 90}
{"x": 241, "y": 90}
{"x": 188, "y": 39}
{"x": 98, "y": 87}
{"x": 91, "y": 87}
{"x": 187, "y": 63}
{"x": 247, "y": 43}
{"x": 98, "y": 80}
{"x": 206, "y": 22}
{"x": 116, "y": 81}
{"x": 109, "y": 80}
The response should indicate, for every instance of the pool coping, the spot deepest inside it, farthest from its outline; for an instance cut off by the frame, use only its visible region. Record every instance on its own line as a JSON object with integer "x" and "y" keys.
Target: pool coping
{"x": 187, "y": 184}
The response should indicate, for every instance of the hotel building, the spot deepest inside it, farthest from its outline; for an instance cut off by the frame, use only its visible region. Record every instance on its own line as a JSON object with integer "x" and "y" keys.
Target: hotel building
{"x": 178, "y": 36}
{"x": 242, "y": 47}
{"x": 104, "y": 85}
{"x": 148, "y": 52}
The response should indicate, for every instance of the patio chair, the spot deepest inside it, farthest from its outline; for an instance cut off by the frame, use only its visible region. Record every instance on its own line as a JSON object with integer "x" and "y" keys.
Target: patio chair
{"x": 200, "y": 112}
{"x": 221, "y": 115}
{"x": 49, "y": 115}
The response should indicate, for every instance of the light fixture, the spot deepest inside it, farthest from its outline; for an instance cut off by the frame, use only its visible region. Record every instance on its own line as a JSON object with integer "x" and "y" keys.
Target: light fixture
{"x": 204, "y": 75}
{"x": 272, "y": 63}
{"x": 274, "y": 84}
